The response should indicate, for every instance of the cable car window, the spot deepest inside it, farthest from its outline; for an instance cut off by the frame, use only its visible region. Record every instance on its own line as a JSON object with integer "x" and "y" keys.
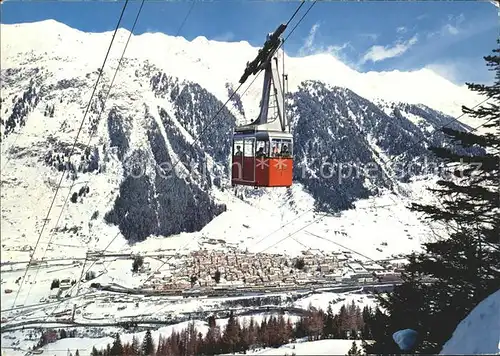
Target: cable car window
{"x": 281, "y": 148}
{"x": 238, "y": 147}
{"x": 286, "y": 148}
{"x": 249, "y": 147}
{"x": 275, "y": 148}
{"x": 262, "y": 149}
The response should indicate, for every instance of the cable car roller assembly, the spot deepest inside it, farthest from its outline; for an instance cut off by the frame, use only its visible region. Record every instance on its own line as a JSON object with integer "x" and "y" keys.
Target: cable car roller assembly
{"x": 262, "y": 154}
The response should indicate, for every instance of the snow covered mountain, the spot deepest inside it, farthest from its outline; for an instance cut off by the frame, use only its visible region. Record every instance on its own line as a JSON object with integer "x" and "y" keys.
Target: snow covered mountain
{"x": 164, "y": 94}
{"x": 338, "y": 126}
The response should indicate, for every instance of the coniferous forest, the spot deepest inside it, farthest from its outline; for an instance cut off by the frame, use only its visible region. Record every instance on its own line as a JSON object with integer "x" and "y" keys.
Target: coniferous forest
{"x": 466, "y": 265}
{"x": 236, "y": 337}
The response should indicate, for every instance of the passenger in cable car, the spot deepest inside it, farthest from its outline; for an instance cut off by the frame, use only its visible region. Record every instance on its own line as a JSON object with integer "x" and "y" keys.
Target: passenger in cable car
{"x": 284, "y": 151}
{"x": 238, "y": 151}
{"x": 260, "y": 152}
{"x": 275, "y": 151}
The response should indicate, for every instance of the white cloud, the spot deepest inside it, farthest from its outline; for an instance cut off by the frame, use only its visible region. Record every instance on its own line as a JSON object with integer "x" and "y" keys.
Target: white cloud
{"x": 380, "y": 53}
{"x": 311, "y": 47}
{"x": 308, "y": 46}
{"x": 452, "y": 28}
{"x": 401, "y": 29}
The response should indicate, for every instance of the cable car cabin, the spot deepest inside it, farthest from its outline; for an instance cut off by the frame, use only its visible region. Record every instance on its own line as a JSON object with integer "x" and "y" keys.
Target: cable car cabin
{"x": 262, "y": 150}
{"x": 262, "y": 159}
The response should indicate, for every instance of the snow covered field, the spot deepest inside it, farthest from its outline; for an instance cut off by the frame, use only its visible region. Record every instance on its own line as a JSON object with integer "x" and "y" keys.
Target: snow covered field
{"x": 320, "y": 347}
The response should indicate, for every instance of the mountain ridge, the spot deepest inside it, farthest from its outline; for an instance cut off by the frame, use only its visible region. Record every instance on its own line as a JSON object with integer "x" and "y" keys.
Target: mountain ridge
{"x": 394, "y": 85}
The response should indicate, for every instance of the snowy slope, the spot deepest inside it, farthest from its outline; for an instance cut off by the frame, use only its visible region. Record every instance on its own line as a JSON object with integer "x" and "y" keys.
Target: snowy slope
{"x": 316, "y": 348}
{"x": 479, "y": 332}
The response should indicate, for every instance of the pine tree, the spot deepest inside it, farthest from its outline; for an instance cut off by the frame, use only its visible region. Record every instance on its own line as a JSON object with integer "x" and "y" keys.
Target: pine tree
{"x": 77, "y": 353}
{"x": 290, "y": 331}
{"x": 367, "y": 316}
{"x": 343, "y": 321}
{"x": 358, "y": 319}
{"x": 211, "y": 321}
{"x": 137, "y": 263}
{"x": 63, "y": 334}
{"x": 217, "y": 276}
{"x": 354, "y": 351}
{"x": 351, "y": 312}
{"x": 264, "y": 330}
{"x": 300, "y": 328}
{"x": 252, "y": 333}
{"x": 192, "y": 338}
{"x": 243, "y": 339}
{"x": 136, "y": 346}
{"x": 465, "y": 266}
{"x": 200, "y": 344}
{"x": 147, "y": 344}
{"x": 117, "y": 348}
{"x": 328, "y": 331}
{"x": 173, "y": 342}
{"x": 94, "y": 351}
{"x": 210, "y": 338}
{"x": 230, "y": 337}
{"x": 314, "y": 323}
{"x": 160, "y": 350}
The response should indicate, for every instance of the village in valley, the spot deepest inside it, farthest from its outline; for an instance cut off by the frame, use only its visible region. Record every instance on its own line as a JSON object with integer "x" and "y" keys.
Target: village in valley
{"x": 209, "y": 269}
{"x": 218, "y": 271}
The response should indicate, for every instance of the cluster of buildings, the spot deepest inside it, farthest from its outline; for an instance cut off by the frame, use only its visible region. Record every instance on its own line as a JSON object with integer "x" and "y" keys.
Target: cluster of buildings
{"x": 59, "y": 291}
{"x": 218, "y": 269}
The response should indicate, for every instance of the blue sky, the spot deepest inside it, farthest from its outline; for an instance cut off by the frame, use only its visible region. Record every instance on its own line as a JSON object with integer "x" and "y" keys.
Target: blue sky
{"x": 450, "y": 37}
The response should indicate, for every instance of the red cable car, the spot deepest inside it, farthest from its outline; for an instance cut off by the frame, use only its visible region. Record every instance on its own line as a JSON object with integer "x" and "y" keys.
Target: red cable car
{"x": 262, "y": 150}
